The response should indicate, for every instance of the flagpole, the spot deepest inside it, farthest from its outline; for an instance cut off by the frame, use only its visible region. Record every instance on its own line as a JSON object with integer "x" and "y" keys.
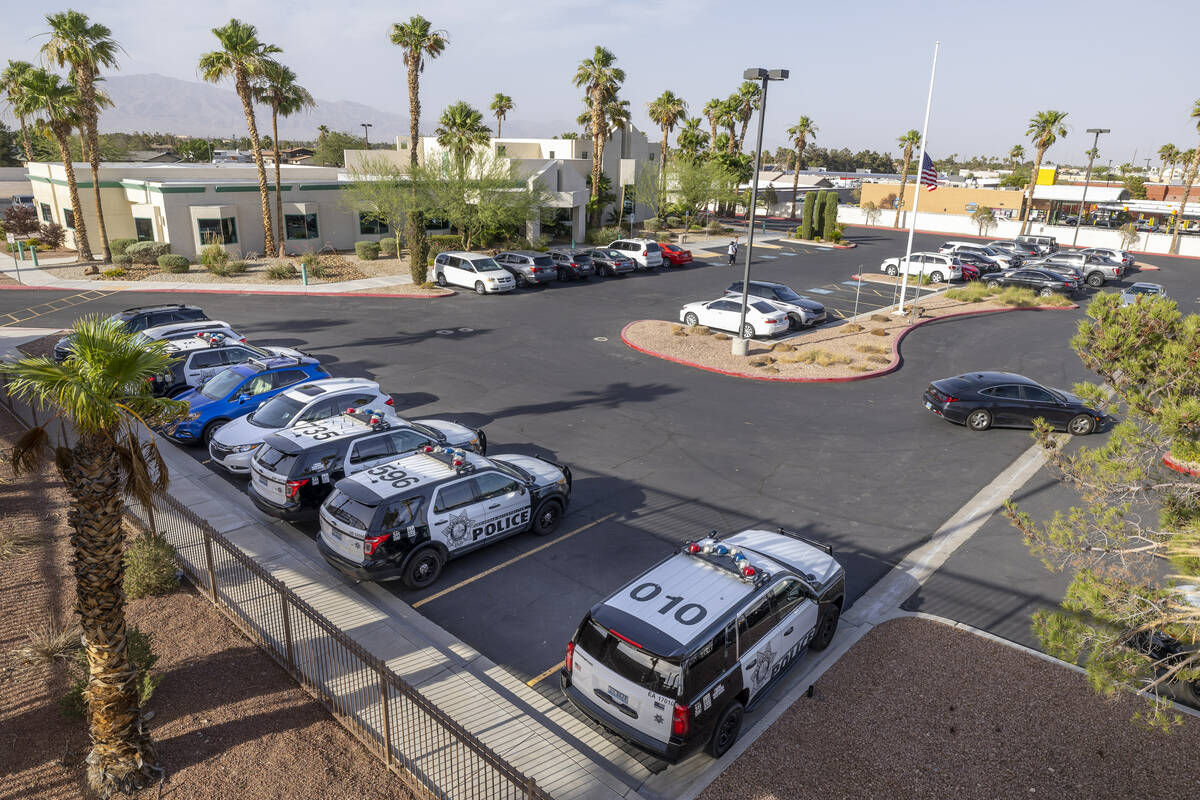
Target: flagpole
{"x": 912, "y": 227}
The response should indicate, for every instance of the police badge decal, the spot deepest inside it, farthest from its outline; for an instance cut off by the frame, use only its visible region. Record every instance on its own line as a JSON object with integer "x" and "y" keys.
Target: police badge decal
{"x": 760, "y": 669}
{"x": 458, "y": 529}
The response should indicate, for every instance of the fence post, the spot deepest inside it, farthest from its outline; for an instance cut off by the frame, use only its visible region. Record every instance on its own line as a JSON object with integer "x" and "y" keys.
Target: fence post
{"x": 212, "y": 573}
{"x": 387, "y": 725}
{"x": 287, "y": 631}
{"x": 531, "y": 790}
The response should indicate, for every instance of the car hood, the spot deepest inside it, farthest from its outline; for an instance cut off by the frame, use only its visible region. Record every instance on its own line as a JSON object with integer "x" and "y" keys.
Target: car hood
{"x": 197, "y": 403}
{"x": 241, "y": 431}
{"x": 810, "y": 305}
{"x": 456, "y": 435}
{"x": 545, "y": 473}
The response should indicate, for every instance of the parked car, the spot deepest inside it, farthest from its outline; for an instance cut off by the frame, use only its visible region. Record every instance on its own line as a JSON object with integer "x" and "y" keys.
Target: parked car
{"x": 237, "y": 391}
{"x": 1145, "y": 225}
{"x": 1138, "y": 291}
{"x": 1106, "y": 222}
{"x": 1002, "y": 259}
{"x": 191, "y": 330}
{"x": 1044, "y": 244}
{"x": 645, "y": 252}
{"x": 527, "y": 266}
{"x": 981, "y": 400}
{"x": 199, "y": 358}
{"x": 612, "y": 263}
{"x": 674, "y": 255}
{"x": 1123, "y": 257}
{"x": 1025, "y": 249}
{"x": 1094, "y": 269}
{"x": 938, "y": 266}
{"x": 981, "y": 265}
{"x": 725, "y": 313}
{"x": 472, "y": 271}
{"x": 234, "y": 444}
{"x": 572, "y": 264}
{"x": 139, "y": 318}
{"x": 1045, "y": 282}
{"x": 802, "y": 312}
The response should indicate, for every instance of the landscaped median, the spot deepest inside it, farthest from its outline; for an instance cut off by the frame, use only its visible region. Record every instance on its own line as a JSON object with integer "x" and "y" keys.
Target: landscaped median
{"x": 865, "y": 347}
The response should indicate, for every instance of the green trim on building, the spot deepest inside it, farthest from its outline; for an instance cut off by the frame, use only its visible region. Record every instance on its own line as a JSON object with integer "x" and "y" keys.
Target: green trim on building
{"x": 320, "y": 187}
{"x": 78, "y": 184}
{"x": 270, "y": 188}
{"x": 178, "y": 189}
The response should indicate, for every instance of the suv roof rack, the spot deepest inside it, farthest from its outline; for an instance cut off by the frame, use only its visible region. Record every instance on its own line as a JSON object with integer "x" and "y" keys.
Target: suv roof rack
{"x": 826, "y": 548}
{"x": 156, "y": 305}
{"x": 730, "y": 558}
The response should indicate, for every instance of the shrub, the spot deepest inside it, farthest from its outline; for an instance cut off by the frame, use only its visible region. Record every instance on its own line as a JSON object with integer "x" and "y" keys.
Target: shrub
{"x": 26, "y": 243}
{"x": 443, "y": 242}
{"x": 281, "y": 270}
{"x": 674, "y": 222}
{"x": 147, "y": 252}
{"x": 870, "y": 348}
{"x": 310, "y": 259}
{"x": 367, "y": 251}
{"x": 122, "y": 260}
{"x": 880, "y": 318}
{"x": 16, "y": 542}
{"x": 316, "y": 269}
{"x": 650, "y": 225}
{"x": 854, "y": 327}
{"x": 387, "y": 247}
{"x": 722, "y": 337}
{"x": 237, "y": 267}
{"x": 49, "y": 643}
{"x": 835, "y": 236}
{"x": 150, "y": 567}
{"x": 603, "y": 235}
{"x": 878, "y": 332}
{"x": 825, "y": 359}
{"x": 713, "y": 227}
{"x": 213, "y": 255}
{"x": 806, "y": 215}
{"x": 418, "y": 272}
{"x": 115, "y": 272}
{"x": 52, "y": 235}
{"x": 830, "y": 223}
{"x": 117, "y": 246}
{"x": 174, "y": 264}
{"x": 141, "y": 658}
{"x": 878, "y": 359}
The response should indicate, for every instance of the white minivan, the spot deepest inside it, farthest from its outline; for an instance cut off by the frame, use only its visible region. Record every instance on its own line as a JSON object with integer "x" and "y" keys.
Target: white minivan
{"x": 472, "y": 271}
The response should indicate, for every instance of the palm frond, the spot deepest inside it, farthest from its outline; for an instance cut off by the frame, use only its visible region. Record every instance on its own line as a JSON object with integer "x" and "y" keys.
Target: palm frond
{"x": 30, "y": 451}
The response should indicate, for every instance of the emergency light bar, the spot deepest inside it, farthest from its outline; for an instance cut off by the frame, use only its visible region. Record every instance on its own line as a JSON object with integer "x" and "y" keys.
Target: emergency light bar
{"x": 739, "y": 563}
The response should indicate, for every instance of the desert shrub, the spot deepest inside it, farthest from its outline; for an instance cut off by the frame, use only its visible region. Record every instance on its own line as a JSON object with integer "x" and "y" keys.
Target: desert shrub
{"x": 878, "y": 359}
{"x": 878, "y": 332}
{"x": 52, "y": 235}
{"x": 150, "y": 567}
{"x": 782, "y": 347}
{"x": 862, "y": 368}
{"x": 117, "y": 246}
{"x": 722, "y": 337}
{"x": 713, "y": 227}
{"x": 870, "y": 348}
{"x": 225, "y": 270}
{"x": 281, "y": 270}
{"x": 973, "y": 292}
{"x": 316, "y": 269}
{"x": 213, "y": 255}
{"x": 367, "y": 251}
{"x": 387, "y": 247}
{"x": 173, "y": 263}
{"x": 26, "y": 243}
{"x": 880, "y": 318}
{"x": 674, "y": 222}
{"x": 835, "y": 236}
{"x": 310, "y": 259}
{"x": 122, "y": 260}
{"x": 48, "y": 643}
{"x": 772, "y": 370}
{"x": 237, "y": 267}
{"x": 854, "y": 327}
{"x": 650, "y": 225}
{"x": 115, "y": 272}
{"x": 603, "y": 235}
{"x": 443, "y": 242}
{"x": 825, "y": 359}
{"x": 16, "y": 541}
{"x": 147, "y": 252}
{"x": 141, "y": 657}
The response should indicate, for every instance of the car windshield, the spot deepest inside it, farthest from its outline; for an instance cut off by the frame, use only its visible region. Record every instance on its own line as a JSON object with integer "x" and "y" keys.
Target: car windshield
{"x": 513, "y": 470}
{"x": 646, "y": 670}
{"x": 345, "y": 508}
{"x": 784, "y": 293}
{"x": 485, "y": 265}
{"x": 613, "y": 253}
{"x": 276, "y": 412}
{"x": 222, "y": 384}
{"x": 1135, "y": 289}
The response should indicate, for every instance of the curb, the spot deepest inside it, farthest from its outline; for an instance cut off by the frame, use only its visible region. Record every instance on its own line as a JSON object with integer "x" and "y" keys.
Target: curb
{"x": 846, "y": 246}
{"x": 895, "y": 365}
{"x": 235, "y": 291}
{"x": 1181, "y": 466}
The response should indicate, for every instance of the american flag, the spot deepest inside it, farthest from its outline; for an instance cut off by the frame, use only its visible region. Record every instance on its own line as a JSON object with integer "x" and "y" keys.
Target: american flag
{"x": 928, "y": 173}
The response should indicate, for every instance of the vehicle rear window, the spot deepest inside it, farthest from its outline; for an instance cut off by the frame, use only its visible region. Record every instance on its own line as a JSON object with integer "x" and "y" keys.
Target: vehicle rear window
{"x": 275, "y": 460}
{"x": 346, "y": 509}
{"x": 652, "y": 248}
{"x": 543, "y": 261}
{"x": 649, "y": 671}
{"x": 765, "y": 308}
{"x": 582, "y": 258}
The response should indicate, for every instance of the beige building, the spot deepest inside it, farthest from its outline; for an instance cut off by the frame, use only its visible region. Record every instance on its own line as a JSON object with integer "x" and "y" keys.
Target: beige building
{"x": 946, "y": 200}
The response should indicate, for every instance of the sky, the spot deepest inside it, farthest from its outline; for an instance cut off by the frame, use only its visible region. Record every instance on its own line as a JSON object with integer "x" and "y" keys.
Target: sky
{"x": 859, "y": 69}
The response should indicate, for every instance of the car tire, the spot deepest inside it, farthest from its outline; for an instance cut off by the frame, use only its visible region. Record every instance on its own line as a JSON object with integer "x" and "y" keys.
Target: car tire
{"x": 691, "y": 320}
{"x": 547, "y": 517}
{"x": 522, "y": 283}
{"x": 210, "y": 430}
{"x": 747, "y": 331}
{"x": 441, "y": 279}
{"x": 827, "y": 624}
{"x": 423, "y": 568}
{"x": 1081, "y": 425}
{"x": 726, "y": 731}
{"x": 1095, "y": 280}
{"x": 794, "y": 321}
{"x": 992, "y": 284}
{"x": 479, "y": 288}
{"x": 979, "y": 420}
{"x": 892, "y": 271}
{"x": 1045, "y": 292}
{"x": 562, "y": 274}
{"x": 936, "y": 277}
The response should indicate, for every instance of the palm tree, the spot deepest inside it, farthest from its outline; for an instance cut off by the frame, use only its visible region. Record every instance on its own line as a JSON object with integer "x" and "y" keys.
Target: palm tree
{"x": 1189, "y": 180}
{"x": 908, "y": 141}
{"x": 667, "y": 112}
{"x": 461, "y": 130}
{"x": 501, "y": 105}
{"x": 1169, "y": 154}
{"x": 1015, "y": 156}
{"x": 692, "y": 140}
{"x": 746, "y": 100}
{"x": 276, "y": 87}
{"x": 800, "y": 133}
{"x": 101, "y": 390}
{"x": 600, "y": 79}
{"x": 1045, "y": 128}
{"x": 86, "y": 47}
{"x": 727, "y": 117}
{"x": 712, "y": 110}
{"x": 53, "y": 105}
{"x": 10, "y": 84}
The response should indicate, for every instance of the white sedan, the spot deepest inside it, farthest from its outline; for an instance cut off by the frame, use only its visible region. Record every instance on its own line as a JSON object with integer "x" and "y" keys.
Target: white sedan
{"x": 762, "y": 318}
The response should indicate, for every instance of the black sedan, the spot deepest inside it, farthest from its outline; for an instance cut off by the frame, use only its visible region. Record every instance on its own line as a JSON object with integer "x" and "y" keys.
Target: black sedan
{"x": 610, "y": 262}
{"x": 980, "y": 400}
{"x": 1043, "y": 281}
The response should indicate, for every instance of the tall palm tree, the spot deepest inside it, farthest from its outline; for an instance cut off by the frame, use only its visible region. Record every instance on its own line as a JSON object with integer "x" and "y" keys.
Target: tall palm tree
{"x": 276, "y": 87}
{"x": 692, "y": 140}
{"x": 667, "y": 112}
{"x": 1045, "y": 128}
{"x": 85, "y": 47}
{"x": 101, "y": 391}
{"x": 600, "y": 79}
{"x": 418, "y": 40}
{"x": 244, "y": 58}
{"x": 10, "y": 84}
{"x": 747, "y": 100}
{"x": 908, "y": 142}
{"x": 800, "y": 133}
{"x": 1016, "y": 155}
{"x": 1189, "y": 180}
{"x": 53, "y": 105}
{"x": 461, "y": 130}
{"x": 501, "y": 105}
{"x": 1169, "y": 154}
{"x": 727, "y": 117}
{"x": 712, "y": 110}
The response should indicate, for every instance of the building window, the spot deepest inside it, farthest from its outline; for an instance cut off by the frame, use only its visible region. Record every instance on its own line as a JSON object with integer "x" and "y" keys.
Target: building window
{"x": 47, "y": 214}
{"x": 552, "y": 154}
{"x": 144, "y": 228}
{"x": 583, "y": 155}
{"x": 369, "y": 227}
{"x": 218, "y": 231}
{"x": 300, "y": 226}
{"x": 69, "y": 218}
{"x": 500, "y": 150}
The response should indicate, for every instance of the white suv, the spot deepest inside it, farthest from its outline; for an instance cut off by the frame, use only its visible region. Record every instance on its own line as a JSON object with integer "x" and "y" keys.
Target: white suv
{"x": 645, "y": 252}
{"x": 938, "y": 266}
{"x": 472, "y": 271}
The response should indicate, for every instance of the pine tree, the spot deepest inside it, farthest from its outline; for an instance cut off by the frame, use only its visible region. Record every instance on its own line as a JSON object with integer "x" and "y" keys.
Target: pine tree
{"x": 806, "y": 216}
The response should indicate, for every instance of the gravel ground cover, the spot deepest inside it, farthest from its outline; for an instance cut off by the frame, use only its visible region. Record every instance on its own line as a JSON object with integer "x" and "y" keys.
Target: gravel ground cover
{"x": 918, "y": 709}
{"x": 338, "y": 266}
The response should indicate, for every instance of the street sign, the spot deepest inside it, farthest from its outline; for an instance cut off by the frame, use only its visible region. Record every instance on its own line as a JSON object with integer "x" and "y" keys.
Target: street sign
{"x": 12, "y": 238}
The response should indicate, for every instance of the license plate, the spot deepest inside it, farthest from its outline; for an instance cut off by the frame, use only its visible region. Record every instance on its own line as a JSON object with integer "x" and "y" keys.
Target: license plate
{"x": 620, "y": 697}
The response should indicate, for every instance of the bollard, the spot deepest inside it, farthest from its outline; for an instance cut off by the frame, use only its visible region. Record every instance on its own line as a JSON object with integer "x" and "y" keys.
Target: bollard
{"x": 33, "y": 252}
{"x": 304, "y": 274}
{"x": 20, "y": 251}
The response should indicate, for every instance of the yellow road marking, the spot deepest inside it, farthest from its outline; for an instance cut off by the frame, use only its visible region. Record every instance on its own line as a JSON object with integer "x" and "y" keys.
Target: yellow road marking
{"x": 839, "y": 313}
{"x": 26, "y": 314}
{"x": 510, "y": 562}
{"x": 545, "y": 674}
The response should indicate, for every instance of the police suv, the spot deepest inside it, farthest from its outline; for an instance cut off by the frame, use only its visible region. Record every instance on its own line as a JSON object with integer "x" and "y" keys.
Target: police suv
{"x": 295, "y": 469}
{"x": 406, "y": 518}
{"x": 200, "y": 357}
{"x": 673, "y": 660}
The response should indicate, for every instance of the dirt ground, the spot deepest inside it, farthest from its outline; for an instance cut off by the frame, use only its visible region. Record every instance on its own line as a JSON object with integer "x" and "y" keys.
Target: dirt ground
{"x": 227, "y": 721}
{"x": 918, "y": 709}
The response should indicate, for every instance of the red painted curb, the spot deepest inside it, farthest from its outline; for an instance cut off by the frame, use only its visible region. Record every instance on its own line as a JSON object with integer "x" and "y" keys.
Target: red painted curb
{"x": 1180, "y": 466}
{"x": 239, "y": 291}
{"x": 895, "y": 365}
{"x": 821, "y": 244}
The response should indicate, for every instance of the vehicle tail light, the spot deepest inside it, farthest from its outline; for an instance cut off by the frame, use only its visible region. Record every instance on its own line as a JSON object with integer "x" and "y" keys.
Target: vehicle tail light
{"x": 681, "y": 721}
{"x": 371, "y": 543}
{"x": 645, "y": 252}
{"x": 947, "y": 398}
{"x": 569, "y": 662}
{"x": 572, "y": 264}
{"x": 294, "y": 486}
{"x": 772, "y": 321}
{"x": 389, "y": 402}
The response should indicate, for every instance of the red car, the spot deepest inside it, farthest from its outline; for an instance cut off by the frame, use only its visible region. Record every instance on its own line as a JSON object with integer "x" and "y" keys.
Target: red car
{"x": 675, "y": 255}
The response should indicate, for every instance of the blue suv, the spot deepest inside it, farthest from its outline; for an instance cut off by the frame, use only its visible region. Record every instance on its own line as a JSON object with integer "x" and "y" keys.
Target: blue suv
{"x": 236, "y": 392}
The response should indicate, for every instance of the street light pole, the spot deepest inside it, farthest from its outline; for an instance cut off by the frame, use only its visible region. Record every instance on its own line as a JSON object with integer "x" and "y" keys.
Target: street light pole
{"x": 741, "y": 344}
{"x": 1087, "y": 179}
{"x": 366, "y": 139}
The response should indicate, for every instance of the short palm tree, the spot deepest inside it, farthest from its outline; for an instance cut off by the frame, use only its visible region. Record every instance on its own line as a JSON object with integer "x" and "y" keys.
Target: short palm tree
{"x": 276, "y": 87}
{"x": 460, "y": 130}
{"x": 101, "y": 391}
{"x": 908, "y": 142}
{"x": 1045, "y": 128}
{"x": 53, "y": 105}
{"x": 692, "y": 140}
{"x": 799, "y": 134}
{"x": 1168, "y": 153}
{"x": 667, "y": 112}
{"x": 10, "y": 84}
{"x": 747, "y": 100}
{"x": 1016, "y": 155}
{"x": 244, "y": 58}
{"x": 501, "y": 105}
{"x": 1189, "y": 180}
{"x": 600, "y": 79}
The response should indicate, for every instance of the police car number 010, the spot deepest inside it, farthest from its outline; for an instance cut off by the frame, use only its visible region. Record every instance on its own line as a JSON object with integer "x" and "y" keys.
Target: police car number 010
{"x": 686, "y": 614}
{"x": 396, "y": 476}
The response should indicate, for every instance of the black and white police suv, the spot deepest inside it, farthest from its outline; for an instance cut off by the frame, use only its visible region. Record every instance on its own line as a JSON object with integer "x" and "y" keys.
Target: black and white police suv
{"x": 673, "y": 660}
{"x": 296, "y": 468}
{"x": 406, "y": 518}
{"x": 198, "y": 358}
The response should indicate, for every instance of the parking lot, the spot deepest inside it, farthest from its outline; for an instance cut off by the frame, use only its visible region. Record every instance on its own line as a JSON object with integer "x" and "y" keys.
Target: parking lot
{"x": 662, "y": 453}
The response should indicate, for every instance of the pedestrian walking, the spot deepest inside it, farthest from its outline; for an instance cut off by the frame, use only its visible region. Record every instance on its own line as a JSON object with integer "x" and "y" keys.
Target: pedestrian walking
{"x": 733, "y": 248}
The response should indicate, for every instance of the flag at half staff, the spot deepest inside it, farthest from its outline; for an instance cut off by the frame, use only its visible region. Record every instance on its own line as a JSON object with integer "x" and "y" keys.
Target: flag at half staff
{"x": 929, "y": 174}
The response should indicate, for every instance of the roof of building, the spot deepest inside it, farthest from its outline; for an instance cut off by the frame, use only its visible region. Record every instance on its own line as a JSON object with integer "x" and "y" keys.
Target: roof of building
{"x": 1074, "y": 194}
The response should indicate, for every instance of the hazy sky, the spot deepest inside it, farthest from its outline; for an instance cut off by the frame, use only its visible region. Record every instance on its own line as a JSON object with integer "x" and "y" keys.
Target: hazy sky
{"x": 859, "y": 69}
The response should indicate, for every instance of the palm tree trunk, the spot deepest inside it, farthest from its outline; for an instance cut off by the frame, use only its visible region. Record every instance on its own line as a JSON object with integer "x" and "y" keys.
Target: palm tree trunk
{"x": 903, "y": 183}
{"x": 662, "y": 171}
{"x": 733, "y": 145}
{"x": 82, "y": 248}
{"x": 243, "y": 90}
{"x": 1188, "y": 181}
{"x": 25, "y": 139}
{"x": 1037, "y": 166}
{"x": 742, "y": 135}
{"x": 418, "y": 250}
{"x": 796, "y": 180}
{"x": 123, "y": 757}
{"x": 278, "y": 191}
{"x": 712, "y": 123}
{"x": 499, "y": 125}
{"x": 90, "y": 114}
